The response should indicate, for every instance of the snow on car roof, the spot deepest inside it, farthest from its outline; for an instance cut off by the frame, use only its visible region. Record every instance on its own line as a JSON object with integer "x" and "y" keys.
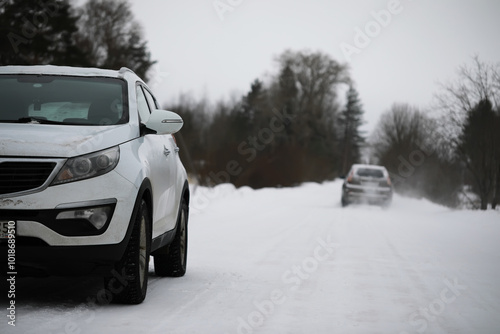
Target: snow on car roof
{"x": 64, "y": 70}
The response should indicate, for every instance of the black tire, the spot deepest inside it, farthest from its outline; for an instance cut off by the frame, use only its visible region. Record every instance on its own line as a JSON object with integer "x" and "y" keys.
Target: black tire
{"x": 129, "y": 282}
{"x": 171, "y": 260}
{"x": 386, "y": 204}
{"x": 344, "y": 202}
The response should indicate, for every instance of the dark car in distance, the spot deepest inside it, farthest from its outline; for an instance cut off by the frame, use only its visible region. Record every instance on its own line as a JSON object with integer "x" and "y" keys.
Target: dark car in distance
{"x": 367, "y": 184}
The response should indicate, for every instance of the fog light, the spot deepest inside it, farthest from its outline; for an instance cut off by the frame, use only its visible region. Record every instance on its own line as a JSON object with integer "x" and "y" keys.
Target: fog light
{"x": 96, "y": 216}
{"x": 98, "y": 219}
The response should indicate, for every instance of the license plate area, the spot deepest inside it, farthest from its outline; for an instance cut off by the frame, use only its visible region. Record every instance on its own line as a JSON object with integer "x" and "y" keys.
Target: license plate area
{"x": 5, "y": 225}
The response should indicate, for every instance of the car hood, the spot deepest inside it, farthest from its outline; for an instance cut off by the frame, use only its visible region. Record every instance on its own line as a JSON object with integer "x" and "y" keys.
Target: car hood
{"x": 60, "y": 141}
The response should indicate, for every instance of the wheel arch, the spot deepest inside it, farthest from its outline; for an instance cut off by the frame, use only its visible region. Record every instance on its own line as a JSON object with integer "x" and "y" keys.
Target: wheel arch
{"x": 143, "y": 192}
{"x": 158, "y": 244}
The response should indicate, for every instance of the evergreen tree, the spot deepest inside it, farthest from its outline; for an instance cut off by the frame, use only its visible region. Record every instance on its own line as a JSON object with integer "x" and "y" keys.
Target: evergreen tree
{"x": 479, "y": 149}
{"x": 496, "y": 196}
{"x": 288, "y": 88}
{"x": 350, "y": 120}
{"x": 38, "y": 33}
{"x": 253, "y": 104}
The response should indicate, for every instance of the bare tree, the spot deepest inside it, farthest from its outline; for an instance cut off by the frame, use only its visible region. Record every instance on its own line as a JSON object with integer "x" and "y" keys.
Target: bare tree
{"x": 404, "y": 141}
{"x": 470, "y": 125}
{"x": 403, "y": 128}
{"x": 475, "y": 83}
{"x": 111, "y": 37}
{"x": 317, "y": 77}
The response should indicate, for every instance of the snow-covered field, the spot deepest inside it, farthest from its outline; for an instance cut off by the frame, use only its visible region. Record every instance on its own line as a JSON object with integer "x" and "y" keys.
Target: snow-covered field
{"x": 291, "y": 260}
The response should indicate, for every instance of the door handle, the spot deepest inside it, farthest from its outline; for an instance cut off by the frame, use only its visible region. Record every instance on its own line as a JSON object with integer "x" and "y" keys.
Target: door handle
{"x": 166, "y": 151}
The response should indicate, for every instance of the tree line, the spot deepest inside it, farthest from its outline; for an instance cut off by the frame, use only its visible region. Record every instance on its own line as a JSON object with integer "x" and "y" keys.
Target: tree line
{"x": 294, "y": 128}
{"x": 290, "y": 129}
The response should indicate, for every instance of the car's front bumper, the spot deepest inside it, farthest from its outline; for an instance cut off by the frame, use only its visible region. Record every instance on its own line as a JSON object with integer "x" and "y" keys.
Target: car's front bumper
{"x": 35, "y": 214}
{"x": 45, "y": 244}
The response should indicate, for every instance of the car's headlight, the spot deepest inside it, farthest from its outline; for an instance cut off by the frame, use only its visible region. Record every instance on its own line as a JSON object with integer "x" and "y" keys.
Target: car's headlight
{"x": 87, "y": 166}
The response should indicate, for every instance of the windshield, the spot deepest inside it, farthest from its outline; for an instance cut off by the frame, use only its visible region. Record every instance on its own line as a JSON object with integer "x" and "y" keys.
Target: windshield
{"x": 62, "y": 100}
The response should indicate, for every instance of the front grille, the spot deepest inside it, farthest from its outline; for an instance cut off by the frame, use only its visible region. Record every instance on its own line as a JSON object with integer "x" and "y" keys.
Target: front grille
{"x": 16, "y": 176}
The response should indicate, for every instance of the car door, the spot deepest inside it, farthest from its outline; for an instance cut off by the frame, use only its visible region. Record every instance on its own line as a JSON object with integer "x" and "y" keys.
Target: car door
{"x": 160, "y": 153}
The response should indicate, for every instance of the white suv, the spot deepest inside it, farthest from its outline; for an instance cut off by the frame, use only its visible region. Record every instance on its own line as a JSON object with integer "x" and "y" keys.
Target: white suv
{"x": 90, "y": 177}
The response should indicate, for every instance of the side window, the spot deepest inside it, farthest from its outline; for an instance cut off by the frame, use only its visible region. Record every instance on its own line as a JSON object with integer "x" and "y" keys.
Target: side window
{"x": 142, "y": 105}
{"x": 151, "y": 100}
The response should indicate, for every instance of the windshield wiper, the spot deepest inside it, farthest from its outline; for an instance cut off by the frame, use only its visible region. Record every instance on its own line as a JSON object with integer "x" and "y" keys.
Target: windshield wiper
{"x": 41, "y": 120}
{"x": 36, "y": 120}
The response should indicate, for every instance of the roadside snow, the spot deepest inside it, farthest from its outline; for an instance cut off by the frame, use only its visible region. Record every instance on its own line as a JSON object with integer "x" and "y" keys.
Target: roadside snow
{"x": 292, "y": 260}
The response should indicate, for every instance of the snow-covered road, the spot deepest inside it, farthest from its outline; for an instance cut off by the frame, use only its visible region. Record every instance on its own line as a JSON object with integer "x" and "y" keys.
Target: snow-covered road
{"x": 291, "y": 260}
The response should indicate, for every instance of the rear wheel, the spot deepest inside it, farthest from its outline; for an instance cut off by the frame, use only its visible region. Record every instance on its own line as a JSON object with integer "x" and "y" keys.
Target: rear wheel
{"x": 386, "y": 203}
{"x": 171, "y": 260}
{"x": 344, "y": 202}
{"x": 129, "y": 281}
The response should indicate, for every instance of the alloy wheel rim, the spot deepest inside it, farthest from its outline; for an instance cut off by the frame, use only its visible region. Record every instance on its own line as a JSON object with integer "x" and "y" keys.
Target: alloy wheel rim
{"x": 142, "y": 251}
{"x": 183, "y": 239}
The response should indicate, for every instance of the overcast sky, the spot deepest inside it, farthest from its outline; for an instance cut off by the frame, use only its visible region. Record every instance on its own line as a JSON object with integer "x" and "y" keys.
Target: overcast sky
{"x": 397, "y": 51}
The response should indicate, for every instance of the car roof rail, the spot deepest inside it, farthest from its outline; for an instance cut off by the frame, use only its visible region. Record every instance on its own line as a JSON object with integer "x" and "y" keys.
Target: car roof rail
{"x": 125, "y": 69}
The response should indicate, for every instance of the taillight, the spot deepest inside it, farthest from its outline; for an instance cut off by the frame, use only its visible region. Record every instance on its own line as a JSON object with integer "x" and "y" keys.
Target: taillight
{"x": 349, "y": 178}
{"x": 389, "y": 180}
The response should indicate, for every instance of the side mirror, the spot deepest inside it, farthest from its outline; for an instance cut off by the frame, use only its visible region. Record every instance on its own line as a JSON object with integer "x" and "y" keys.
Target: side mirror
{"x": 164, "y": 122}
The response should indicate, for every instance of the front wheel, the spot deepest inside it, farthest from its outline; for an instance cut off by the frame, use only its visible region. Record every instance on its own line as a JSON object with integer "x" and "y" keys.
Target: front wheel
{"x": 171, "y": 260}
{"x": 129, "y": 280}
